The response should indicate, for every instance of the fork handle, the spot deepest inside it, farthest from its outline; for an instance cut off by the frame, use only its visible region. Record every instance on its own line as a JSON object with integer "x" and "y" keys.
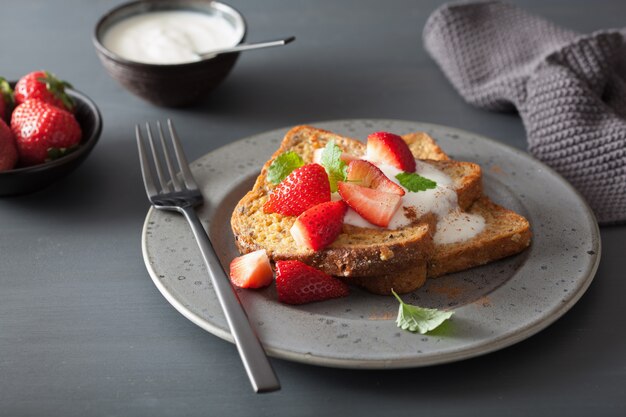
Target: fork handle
{"x": 258, "y": 367}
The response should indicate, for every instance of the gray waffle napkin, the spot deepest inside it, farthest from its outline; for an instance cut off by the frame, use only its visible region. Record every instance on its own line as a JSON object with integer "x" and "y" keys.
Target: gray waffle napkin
{"x": 569, "y": 89}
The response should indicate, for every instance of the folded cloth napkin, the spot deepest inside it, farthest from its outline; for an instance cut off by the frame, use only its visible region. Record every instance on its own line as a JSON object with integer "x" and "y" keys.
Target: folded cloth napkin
{"x": 569, "y": 89}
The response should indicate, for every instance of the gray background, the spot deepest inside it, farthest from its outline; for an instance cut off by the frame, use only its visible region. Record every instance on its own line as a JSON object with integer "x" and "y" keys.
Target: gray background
{"x": 83, "y": 331}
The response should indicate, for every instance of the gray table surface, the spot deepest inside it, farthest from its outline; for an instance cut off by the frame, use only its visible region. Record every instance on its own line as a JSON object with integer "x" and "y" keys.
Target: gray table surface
{"x": 84, "y": 332}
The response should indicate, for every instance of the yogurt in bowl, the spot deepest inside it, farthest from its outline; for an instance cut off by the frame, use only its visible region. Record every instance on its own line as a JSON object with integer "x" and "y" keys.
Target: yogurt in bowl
{"x": 170, "y": 36}
{"x": 151, "y": 47}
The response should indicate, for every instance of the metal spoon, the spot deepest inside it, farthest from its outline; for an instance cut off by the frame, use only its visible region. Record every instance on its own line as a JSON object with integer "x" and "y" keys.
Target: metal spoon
{"x": 247, "y": 47}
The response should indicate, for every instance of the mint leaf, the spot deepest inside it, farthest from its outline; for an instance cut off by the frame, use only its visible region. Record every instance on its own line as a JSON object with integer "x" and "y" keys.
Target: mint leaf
{"x": 419, "y": 319}
{"x": 334, "y": 165}
{"x": 283, "y": 165}
{"x": 414, "y": 182}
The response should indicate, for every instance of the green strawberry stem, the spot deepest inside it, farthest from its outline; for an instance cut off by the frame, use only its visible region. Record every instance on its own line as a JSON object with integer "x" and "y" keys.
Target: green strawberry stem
{"x": 6, "y": 91}
{"x": 57, "y": 87}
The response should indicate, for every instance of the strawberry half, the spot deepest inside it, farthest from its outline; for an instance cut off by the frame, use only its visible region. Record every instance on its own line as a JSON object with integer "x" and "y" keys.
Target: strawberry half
{"x": 375, "y": 206}
{"x": 304, "y": 188}
{"x": 299, "y": 283}
{"x": 320, "y": 225}
{"x": 390, "y": 149}
{"x": 252, "y": 270}
{"x": 368, "y": 175}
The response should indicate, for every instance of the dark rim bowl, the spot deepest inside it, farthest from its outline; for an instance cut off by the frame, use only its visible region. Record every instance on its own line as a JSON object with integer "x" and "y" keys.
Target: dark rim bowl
{"x": 32, "y": 178}
{"x": 170, "y": 85}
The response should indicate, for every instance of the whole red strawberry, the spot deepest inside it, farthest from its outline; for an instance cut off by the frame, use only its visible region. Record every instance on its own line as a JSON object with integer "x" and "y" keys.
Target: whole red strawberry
{"x": 299, "y": 283}
{"x": 8, "y": 151}
{"x": 304, "y": 188}
{"x": 43, "y": 132}
{"x": 44, "y": 86}
{"x": 6, "y": 99}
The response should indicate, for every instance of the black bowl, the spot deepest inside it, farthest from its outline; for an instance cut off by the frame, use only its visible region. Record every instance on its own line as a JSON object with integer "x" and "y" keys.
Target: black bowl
{"x": 28, "y": 179}
{"x": 170, "y": 85}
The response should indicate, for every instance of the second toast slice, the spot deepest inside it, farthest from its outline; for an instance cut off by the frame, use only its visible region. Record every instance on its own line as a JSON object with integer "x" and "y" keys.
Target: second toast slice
{"x": 506, "y": 233}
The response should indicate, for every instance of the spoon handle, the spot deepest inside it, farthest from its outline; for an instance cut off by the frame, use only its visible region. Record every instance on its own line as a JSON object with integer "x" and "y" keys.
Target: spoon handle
{"x": 248, "y": 46}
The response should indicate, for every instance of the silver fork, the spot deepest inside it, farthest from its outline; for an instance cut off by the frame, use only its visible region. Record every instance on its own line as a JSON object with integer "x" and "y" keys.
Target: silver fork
{"x": 176, "y": 190}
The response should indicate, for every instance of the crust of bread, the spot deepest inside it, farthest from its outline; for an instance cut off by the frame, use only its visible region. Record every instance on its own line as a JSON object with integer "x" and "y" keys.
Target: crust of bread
{"x": 425, "y": 147}
{"x": 401, "y": 282}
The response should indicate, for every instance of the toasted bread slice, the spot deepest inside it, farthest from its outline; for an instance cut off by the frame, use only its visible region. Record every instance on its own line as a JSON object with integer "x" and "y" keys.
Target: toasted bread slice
{"x": 506, "y": 233}
{"x": 357, "y": 251}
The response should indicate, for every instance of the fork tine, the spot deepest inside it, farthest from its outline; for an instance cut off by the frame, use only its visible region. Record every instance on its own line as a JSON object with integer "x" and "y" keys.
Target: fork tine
{"x": 168, "y": 160}
{"x": 146, "y": 172}
{"x": 157, "y": 161}
{"x": 182, "y": 159}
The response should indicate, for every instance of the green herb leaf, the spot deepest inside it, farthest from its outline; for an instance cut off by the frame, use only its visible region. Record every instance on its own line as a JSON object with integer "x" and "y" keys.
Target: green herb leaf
{"x": 283, "y": 165}
{"x": 419, "y": 319}
{"x": 414, "y": 182}
{"x": 6, "y": 93}
{"x": 334, "y": 165}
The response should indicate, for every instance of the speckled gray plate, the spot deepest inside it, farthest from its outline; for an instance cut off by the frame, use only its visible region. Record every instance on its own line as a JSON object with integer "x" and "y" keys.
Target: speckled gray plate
{"x": 496, "y": 305}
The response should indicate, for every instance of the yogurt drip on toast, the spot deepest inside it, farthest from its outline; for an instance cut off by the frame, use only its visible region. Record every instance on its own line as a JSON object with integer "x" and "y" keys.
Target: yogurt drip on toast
{"x": 452, "y": 226}
{"x": 169, "y": 37}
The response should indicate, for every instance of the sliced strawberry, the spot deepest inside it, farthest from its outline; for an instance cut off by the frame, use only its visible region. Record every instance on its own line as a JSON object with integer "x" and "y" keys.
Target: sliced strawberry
{"x": 390, "y": 149}
{"x": 320, "y": 225}
{"x": 345, "y": 157}
{"x": 299, "y": 283}
{"x": 366, "y": 174}
{"x": 252, "y": 270}
{"x": 377, "y": 207}
{"x": 304, "y": 188}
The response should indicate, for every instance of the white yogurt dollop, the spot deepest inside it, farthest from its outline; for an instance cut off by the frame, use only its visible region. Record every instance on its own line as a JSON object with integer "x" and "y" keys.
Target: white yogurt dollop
{"x": 170, "y": 37}
{"x": 452, "y": 225}
{"x": 457, "y": 226}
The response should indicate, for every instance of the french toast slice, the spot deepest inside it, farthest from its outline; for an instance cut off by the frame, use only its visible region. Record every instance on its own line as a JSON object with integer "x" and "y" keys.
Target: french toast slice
{"x": 506, "y": 233}
{"x": 357, "y": 251}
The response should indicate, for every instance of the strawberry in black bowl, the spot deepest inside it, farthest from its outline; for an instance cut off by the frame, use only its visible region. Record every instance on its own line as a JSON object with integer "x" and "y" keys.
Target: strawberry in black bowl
{"x": 47, "y": 129}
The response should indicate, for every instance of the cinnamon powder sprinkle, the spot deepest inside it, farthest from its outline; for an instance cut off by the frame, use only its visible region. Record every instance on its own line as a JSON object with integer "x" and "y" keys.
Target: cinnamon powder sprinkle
{"x": 450, "y": 292}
